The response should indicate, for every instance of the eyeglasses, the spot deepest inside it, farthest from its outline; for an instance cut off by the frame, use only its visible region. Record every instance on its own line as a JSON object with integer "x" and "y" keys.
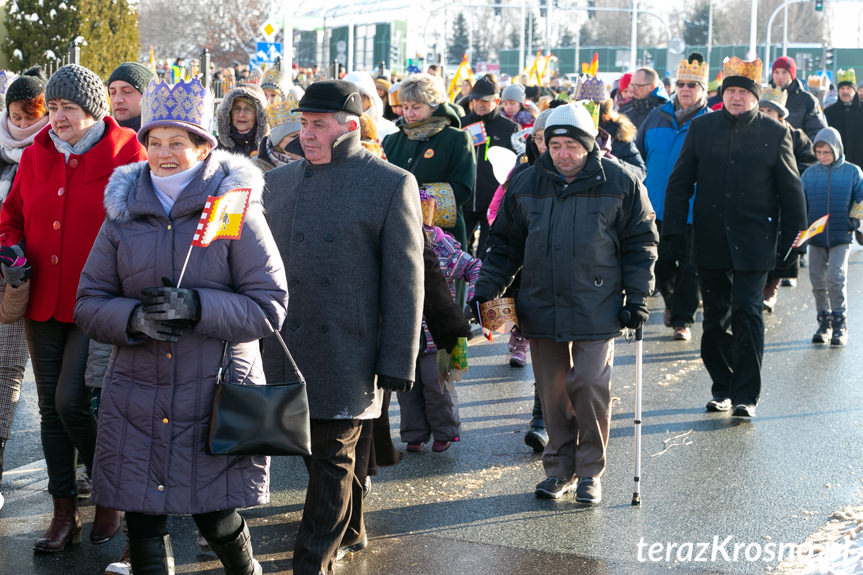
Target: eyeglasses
{"x": 689, "y": 85}
{"x": 242, "y": 109}
{"x": 633, "y": 84}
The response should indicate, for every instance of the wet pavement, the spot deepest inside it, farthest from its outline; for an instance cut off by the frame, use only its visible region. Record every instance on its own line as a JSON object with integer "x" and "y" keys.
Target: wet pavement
{"x": 710, "y": 483}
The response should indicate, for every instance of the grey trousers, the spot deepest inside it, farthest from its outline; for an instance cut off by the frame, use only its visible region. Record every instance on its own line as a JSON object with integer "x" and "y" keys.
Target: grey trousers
{"x": 13, "y": 360}
{"x": 427, "y": 410}
{"x": 574, "y": 383}
{"x": 827, "y": 270}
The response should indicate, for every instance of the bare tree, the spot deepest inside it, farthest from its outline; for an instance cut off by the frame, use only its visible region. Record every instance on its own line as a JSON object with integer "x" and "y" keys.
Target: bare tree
{"x": 804, "y": 24}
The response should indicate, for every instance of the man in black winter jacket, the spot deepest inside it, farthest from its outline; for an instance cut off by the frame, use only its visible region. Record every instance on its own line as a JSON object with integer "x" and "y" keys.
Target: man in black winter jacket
{"x": 846, "y": 115}
{"x": 484, "y": 98}
{"x": 804, "y": 110}
{"x": 749, "y": 204}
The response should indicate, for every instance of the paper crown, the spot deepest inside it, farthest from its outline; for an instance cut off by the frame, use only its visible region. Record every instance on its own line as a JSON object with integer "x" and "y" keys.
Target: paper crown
{"x": 750, "y": 69}
{"x": 188, "y": 105}
{"x": 6, "y": 79}
{"x": 429, "y": 207}
{"x": 497, "y": 312}
{"x": 592, "y": 107}
{"x": 284, "y": 112}
{"x": 774, "y": 95}
{"x": 818, "y": 82}
{"x": 846, "y": 76}
{"x": 715, "y": 84}
{"x": 693, "y": 69}
{"x": 272, "y": 80}
{"x": 590, "y": 88}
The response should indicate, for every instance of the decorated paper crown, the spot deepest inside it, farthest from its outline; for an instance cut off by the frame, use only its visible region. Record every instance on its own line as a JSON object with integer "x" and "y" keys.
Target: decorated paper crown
{"x": 429, "y": 206}
{"x": 283, "y": 112}
{"x": 186, "y": 105}
{"x": 591, "y": 88}
{"x": 592, "y": 106}
{"x": 750, "y": 69}
{"x": 6, "y": 79}
{"x": 693, "y": 69}
{"x": 818, "y": 82}
{"x": 497, "y": 312}
{"x": 775, "y": 95}
{"x": 846, "y": 77}
{"x": 272, "y": 80}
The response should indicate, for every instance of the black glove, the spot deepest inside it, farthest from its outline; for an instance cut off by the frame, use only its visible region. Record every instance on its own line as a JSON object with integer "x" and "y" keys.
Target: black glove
{"x": 159, "y": 330}
{"x": 676, "y": 246}
{"x": 634, "y": 315}
{"x": 169, "y": 303}
{"x": 473, "y": 307}
{"x": 14, "y": 266}
{"x": 388, "y": 383}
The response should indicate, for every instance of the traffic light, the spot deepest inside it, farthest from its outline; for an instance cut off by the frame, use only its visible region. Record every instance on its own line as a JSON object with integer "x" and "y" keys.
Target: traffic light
{"x": 819, "y": 5}
{"x": 828, "y": 57}
{"x": 591, "y": 14}
{"x": 542, "y": 8}
{"x": 497, "y": 11}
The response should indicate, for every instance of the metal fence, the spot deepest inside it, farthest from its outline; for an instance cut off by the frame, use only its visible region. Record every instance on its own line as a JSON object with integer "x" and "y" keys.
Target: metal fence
{"x": 72, "y": 56}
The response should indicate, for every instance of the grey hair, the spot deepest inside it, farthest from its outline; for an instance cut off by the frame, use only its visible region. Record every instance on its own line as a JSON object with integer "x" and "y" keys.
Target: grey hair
{"x": 421, "y": 88}
{"x": 344, "y": 117}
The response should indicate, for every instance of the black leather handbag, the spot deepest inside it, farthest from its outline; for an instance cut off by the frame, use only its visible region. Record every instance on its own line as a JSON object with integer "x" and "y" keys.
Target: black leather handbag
{"x": 270, "y": 419}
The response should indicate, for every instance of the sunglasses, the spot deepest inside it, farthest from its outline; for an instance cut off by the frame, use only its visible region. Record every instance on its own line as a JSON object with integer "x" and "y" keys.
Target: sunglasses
{"x": 690, "y": 85}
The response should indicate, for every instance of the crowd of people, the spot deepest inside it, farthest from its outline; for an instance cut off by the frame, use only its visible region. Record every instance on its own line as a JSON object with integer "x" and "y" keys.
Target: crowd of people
{"x": 393, "y": 217}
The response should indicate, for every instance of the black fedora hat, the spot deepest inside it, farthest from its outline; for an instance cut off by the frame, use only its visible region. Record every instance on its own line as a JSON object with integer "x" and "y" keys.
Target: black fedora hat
{"x": 331, "y": 96}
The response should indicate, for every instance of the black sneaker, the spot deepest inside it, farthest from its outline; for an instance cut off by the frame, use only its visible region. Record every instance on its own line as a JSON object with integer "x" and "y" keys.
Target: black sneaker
{"x": 719, "y": 404}
{"x": 589, "y": 491}
{"x": 350, "y": 549}
{"x": 744, "y": 410}
{"x": 553, "y": 488}
{"x": 536, "y": 438}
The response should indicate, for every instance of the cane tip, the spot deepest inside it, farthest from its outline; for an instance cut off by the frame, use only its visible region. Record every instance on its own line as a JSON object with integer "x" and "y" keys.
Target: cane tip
{"x": 636, "y": 500}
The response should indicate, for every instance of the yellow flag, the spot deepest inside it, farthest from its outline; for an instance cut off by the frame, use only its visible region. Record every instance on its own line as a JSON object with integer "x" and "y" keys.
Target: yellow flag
{"x": 222, "y": 217}
{"x": 816, "y": 228}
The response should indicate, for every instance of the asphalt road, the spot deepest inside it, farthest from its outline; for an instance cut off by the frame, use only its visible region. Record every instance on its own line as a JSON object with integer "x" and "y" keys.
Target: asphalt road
{"x": 710, "y": 482}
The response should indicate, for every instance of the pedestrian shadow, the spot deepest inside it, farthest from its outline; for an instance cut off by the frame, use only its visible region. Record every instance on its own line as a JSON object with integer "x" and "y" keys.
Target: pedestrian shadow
{"x": 486, "y": 402}
{"x": 649, "y": 358}
{"x": 707, "y": 424}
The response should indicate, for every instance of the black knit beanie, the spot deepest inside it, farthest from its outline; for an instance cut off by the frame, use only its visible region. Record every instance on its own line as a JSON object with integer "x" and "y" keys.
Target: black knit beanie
{"x": 137, "y": 75}
{"x": 27, "y": 86}
{"x": 80, "y": 85}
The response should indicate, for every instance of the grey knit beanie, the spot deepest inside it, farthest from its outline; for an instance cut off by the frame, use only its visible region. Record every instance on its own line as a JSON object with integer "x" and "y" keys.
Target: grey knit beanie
{"x": 513, "y": 92}
{"x": 81, "y": 86}
{"x": 539, "y": 123}
{"x": 134, "y": 74}
{"x": 573, "y": 121}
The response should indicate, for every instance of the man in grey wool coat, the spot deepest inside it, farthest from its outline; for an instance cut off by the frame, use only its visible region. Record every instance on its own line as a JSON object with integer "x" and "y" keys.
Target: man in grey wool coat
{"x": 349, "y": 228}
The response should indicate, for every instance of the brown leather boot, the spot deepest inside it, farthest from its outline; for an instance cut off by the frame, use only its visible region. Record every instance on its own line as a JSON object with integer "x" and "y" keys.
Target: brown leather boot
{"x": 106, "y": 524}
{"x": 65, "y": 528}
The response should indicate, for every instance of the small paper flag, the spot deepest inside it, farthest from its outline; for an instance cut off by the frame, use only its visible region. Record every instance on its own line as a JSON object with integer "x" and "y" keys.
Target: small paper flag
{"x": 222, "y": 217}
{"x": 816, "y": 228}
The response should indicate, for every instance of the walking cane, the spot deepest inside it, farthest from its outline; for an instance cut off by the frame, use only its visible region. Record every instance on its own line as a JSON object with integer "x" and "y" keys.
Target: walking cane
{"x": 636, "y": 495}
{"x": 639, "y": 336}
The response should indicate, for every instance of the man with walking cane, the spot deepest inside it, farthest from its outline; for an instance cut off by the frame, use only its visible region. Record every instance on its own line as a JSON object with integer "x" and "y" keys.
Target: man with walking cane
{"x": 583, "y": 232}
{"x": 349, "y": 228}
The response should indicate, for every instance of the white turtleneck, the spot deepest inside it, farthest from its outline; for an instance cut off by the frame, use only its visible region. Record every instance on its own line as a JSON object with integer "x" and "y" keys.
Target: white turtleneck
{"x": 168, "y": 188}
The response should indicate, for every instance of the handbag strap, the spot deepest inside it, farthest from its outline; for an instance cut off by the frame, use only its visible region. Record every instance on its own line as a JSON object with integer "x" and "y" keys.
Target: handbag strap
{"x": 420, "y": 156}
{"x": 222, "y": 366}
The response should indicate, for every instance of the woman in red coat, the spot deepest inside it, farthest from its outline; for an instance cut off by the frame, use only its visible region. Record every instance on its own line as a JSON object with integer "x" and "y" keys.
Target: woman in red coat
{"x": 54, "y": 212}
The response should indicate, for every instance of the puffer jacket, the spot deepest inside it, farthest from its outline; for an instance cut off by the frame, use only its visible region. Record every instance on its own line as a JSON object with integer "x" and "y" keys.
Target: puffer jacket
{"x": 659, "y": 140}
{"x": 155, "y": 410}
{"x": 832, "y": 190}
{"x": 581, "y": 246}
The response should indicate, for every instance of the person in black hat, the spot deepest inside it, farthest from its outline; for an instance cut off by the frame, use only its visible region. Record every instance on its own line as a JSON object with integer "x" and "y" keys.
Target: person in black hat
{"x": 485, "y": 97}
{"x": 126, "y": 84}
{"x": 356, "y": 301}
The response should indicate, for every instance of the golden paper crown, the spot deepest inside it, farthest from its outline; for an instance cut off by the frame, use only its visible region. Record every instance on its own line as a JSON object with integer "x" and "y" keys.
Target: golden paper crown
{"x": 693, "y": 71}
{"x": 283, "y": 112}
{"x": 272, "y": 80}
{"x": 846, "y": 76}
{"x": 750, "y": 69}
{"x": 775, "y": 95}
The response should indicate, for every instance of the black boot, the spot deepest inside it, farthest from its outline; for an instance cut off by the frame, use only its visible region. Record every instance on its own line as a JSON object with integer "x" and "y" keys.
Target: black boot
{"x": 152, "y": 556}
{"x": 236, "y": 555}
{"x": 840, "y": 331}
{"x": 824, "y": 327}
{"x": 536, "y": 437}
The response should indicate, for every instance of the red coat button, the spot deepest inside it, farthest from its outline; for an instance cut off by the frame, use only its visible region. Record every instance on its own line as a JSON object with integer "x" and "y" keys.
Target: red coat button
{"x": 73, "y": 163}
{"x": 54, "y": 260}
{"x": 56, "y": 225}
{"x": 61, "y": 191}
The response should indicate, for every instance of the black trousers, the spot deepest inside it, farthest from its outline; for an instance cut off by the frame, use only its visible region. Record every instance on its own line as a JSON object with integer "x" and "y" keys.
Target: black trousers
{"x": 58, "y": 352}
{"x": 677, "y": 281}
{"x": 333, "y": 512}
{"x": 471, "y": 220}
{"x": 216, "y": 526}
{"x": 732, "y": 345}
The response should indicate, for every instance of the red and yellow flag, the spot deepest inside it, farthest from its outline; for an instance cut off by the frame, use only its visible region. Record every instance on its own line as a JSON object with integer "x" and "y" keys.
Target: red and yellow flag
{"x": 222, "y": 218}
{"x": 593, "y": 67}
{"x": 816, "y": 228}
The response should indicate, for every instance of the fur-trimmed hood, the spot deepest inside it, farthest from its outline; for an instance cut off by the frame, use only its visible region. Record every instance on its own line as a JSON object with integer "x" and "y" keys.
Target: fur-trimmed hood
{"x": 234, "y": 172}
{"x": 223, "y": 114}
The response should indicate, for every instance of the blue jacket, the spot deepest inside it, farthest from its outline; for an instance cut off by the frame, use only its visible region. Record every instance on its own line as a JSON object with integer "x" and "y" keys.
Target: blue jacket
{"x": 659, "y": 140}
{"x": 832, "y": 189}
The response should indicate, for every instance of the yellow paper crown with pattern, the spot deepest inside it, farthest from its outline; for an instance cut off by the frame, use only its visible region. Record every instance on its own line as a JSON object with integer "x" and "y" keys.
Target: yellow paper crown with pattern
{"x": 693, "y": 69}
{"x": 186, "y": 104}
{"x": 750, "y": 69}
{"x": 847, "y": 76}
{"x": 272, "y": 80}
{"x": 284, "y": 112}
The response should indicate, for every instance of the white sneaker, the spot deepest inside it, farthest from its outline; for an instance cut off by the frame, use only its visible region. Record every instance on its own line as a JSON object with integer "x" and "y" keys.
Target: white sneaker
{"x": 1, "y": 501}
{"x": 119, "y": 568}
